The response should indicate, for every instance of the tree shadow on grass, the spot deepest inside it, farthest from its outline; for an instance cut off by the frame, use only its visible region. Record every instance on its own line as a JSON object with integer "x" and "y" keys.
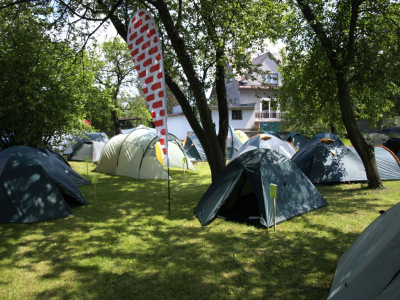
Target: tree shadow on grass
{"x": 184, "y": 263}
{"x": 126, "y": 247}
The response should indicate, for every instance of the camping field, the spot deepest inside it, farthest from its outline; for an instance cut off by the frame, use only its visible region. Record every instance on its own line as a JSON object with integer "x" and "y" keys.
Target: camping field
{"x": 127, "y": 246}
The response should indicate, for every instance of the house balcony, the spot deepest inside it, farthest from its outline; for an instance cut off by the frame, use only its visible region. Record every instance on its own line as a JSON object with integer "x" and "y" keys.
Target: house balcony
{"x": 268, "y": 115}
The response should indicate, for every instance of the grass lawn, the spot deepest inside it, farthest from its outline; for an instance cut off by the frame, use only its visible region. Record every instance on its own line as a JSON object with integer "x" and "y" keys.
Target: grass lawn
{"x": 127, "y": 247}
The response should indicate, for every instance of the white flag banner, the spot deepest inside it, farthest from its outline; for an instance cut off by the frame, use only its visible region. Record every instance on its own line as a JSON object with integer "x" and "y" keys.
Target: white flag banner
{"x": 145, "y": 48}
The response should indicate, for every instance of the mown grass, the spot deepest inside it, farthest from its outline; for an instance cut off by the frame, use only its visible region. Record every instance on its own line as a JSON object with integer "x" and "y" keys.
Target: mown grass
{"x": 128, "y": 247}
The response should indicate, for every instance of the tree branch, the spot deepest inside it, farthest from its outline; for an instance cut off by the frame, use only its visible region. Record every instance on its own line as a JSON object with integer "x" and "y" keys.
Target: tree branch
{"x": 353, "y": 23}
{"x": 319, "y": 31}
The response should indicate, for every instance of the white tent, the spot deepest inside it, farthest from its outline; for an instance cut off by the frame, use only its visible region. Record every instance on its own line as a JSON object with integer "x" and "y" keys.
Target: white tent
{"x": 138, "y": 155}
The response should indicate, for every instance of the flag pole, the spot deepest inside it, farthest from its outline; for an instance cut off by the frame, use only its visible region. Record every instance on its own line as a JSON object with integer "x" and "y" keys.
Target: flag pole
{"x": 169, "y": 198}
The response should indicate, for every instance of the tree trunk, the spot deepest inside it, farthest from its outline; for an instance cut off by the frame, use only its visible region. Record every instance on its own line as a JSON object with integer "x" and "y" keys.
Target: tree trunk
{"x": 205, "y": 132}
{"x": 333, "y": 129}
{"x": 365, "y": 150}
{"x": 117, "y": 125}
{"x": 222, "y": 102}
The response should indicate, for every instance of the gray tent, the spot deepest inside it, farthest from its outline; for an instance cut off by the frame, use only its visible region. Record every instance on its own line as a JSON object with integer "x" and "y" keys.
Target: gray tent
{"x": 35, "y": 187}
{"x": 267, "y": 141}
{"x": 70, "y": 143}
{"x": 370, "y": 268}
{"x": 241, "y": 192}
{"x": 387, "y": 162}
{"x": 84, "y": 148}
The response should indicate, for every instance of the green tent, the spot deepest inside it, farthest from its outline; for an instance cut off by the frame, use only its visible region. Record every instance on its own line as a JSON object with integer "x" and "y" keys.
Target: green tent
{"x": 34, "y": 187}
{"x": 370, "y": 268}
{"x": 241, "y": 192}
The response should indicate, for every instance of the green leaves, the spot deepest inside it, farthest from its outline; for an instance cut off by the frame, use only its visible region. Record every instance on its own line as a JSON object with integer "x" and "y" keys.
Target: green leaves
{"x": 369, "y": 66}
{"x": 41, "y": 84}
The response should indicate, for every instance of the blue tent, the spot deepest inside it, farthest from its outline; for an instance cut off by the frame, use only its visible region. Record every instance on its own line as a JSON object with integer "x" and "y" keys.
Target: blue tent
{"x": 194, "y": 149}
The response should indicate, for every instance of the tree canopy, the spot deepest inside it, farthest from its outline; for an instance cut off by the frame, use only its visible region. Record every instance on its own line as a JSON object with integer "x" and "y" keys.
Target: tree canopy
{"x": 341, "y": 61}
{"x": 41, "y": 83}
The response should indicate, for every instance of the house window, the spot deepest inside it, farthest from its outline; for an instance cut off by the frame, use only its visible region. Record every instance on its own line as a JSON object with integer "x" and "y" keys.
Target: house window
{"x": 236, "y": 114}
{"x": 271, "y": 78}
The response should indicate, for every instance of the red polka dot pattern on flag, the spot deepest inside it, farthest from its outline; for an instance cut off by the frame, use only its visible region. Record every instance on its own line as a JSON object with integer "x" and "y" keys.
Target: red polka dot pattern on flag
{"x": 145, "y": 49}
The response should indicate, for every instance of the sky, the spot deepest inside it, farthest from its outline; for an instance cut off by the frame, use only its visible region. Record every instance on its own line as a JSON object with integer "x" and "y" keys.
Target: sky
{"x": 110, "y": 32}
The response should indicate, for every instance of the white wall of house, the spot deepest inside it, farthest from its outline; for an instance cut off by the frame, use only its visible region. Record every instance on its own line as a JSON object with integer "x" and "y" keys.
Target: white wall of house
{"x": 246, "y": 123}
{"x": 178, "y": 125}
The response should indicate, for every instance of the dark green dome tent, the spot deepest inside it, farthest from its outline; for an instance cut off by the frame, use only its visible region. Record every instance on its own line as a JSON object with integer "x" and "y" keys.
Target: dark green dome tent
{"x": 267, "y": 141}
{"x": 72, "y": 174}
{"x": 34, "y": 187}
{"x": 325, "y": 135}
{"x": 326, "y": 160}
{"x": 370, "y": 268}
{"x": 241, "y": 192}
{"x": 297, "y": 139}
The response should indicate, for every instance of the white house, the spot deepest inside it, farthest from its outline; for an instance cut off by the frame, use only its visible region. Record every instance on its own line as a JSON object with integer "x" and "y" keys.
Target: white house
{"x": 251, "y": 104}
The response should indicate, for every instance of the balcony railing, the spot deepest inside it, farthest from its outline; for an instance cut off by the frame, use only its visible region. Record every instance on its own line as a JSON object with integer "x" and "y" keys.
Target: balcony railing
{"x": 266, "y": 114}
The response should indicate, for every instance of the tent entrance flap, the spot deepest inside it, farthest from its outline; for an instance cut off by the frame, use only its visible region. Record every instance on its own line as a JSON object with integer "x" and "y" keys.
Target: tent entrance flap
{"x": 242, "y": 204}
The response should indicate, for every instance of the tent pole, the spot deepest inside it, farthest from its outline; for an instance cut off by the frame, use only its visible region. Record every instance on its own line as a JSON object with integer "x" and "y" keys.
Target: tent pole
{"x": 169, "y": 198}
